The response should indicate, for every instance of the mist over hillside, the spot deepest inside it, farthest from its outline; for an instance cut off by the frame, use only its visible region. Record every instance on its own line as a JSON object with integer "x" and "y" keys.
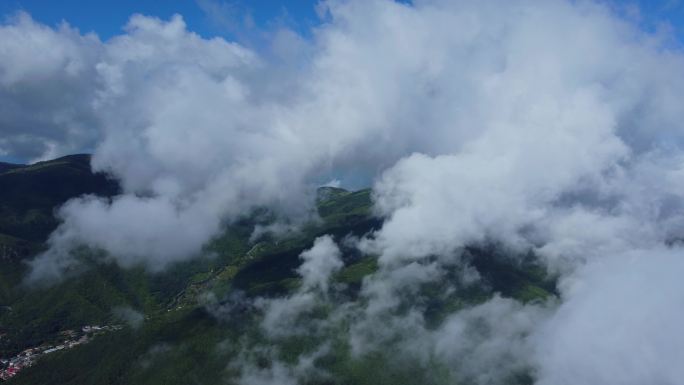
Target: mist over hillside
{"x": 522, "y": 222}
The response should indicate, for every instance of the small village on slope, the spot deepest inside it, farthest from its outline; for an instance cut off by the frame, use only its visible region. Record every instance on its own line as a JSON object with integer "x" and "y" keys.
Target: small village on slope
{"x": 10, "y": 367}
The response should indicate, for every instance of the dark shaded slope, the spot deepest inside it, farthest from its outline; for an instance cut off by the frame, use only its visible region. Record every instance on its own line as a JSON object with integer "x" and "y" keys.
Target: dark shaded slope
{"x": 30, "y": 194}
{"x": 4, "y": 166}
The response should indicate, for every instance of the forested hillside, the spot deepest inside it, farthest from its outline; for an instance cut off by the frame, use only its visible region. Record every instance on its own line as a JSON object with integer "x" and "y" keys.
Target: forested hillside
{"x": 196, "y": 321}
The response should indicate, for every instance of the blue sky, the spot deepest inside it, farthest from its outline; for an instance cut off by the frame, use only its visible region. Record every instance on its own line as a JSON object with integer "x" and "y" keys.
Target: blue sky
{"x": 654, "y": 14}
{"x": 234, "y": 18}
{"x": 206, "y": 17}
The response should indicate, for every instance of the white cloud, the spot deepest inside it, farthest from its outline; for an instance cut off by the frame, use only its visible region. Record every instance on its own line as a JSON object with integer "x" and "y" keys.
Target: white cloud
{"x": 553, "y": 126}
{"x": 47, "y": 80}
{"x": 619, "y": 323}
{"x": 320, "y": 261}
{"x": 281, "y": 315}
{"x": 489, "y": 343}
{"x": 130, "y": 316}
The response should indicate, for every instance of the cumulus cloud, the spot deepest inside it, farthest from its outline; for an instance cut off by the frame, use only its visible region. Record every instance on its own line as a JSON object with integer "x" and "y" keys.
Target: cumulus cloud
{"x": 558, "y": 127}
{"x": 522, "y": 123}
{"x": 547, "y": 126}
{"x": 492, "y": 335}
{"x": 618, "y": 324}
{"x": 47, "y": 85}
{"x": 320, "y": 262}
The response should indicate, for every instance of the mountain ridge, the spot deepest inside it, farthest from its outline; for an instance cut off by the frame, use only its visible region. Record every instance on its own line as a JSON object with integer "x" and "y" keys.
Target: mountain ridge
{"x": 181, "y": 306}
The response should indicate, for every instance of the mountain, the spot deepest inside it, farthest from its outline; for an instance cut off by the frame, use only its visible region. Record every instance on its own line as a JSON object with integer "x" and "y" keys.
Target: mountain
{"x": 30, "y": 193}
{"x": 29, "y": 196}
{"x": 9, "y": 166}
{"x": 193, "y": 322}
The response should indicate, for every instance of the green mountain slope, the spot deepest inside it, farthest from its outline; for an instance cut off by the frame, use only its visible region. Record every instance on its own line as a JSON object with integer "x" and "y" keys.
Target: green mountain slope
{"x": 8, "y": 166}
{"x": 30, "y": 194}
{"x": 182, "y": 340}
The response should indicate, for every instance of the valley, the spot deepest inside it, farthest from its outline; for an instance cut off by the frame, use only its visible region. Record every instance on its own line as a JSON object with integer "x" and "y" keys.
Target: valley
{"x": 198, "y": 316}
